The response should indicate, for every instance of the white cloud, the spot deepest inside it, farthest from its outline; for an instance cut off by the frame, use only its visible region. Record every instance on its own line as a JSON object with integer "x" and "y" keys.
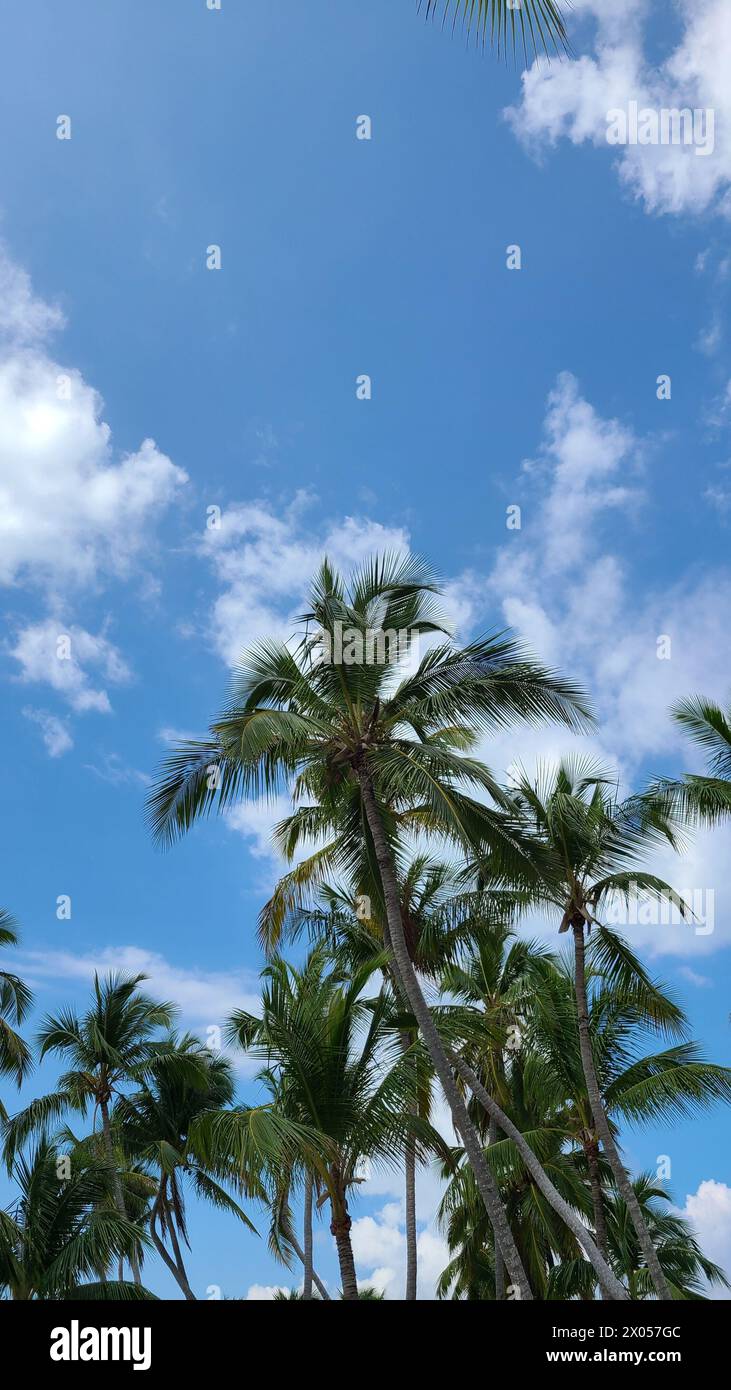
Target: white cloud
{"x": 264, "y": 1293}
{"x": 63, "y": 657}
{"x": 255, "y": 820}
{"x": 379, "y": 1248}
{"x": 571, "y": 99}
{"x": 709, "y": 1211}
{"x": 54, "y": 732}
{"x": 69, "y": 512}
{"x": 205, "y": 997}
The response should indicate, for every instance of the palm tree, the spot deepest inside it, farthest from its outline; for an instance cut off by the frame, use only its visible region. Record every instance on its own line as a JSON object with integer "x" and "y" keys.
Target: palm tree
{"x": 694, "y": 798}
{"x": 334, "y": 1063}
{"x": 15, "y": 1000}
{"x": 61, "y": 1234}
{"x": 155, "y": 1123}
{"x": 687, "y": 1270}
{"x": 635, "y": 1086}
{"x": 357, "y": 740}
{"x": 109, "y": 1047}
{"x": 495, "y": 974}
{"x": 532, "y": 24}
{"x": 356, "y": 934}
{"x": 595, "y": 844}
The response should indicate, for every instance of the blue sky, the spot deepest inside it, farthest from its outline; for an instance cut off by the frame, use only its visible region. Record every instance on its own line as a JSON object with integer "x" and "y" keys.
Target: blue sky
{"x": 490, "y": 388}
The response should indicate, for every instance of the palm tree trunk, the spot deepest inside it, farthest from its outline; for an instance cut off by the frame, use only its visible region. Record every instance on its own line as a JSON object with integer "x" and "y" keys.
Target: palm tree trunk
{"x": 410, "y": 1200}
{"x": 492, "y": 1134}
{"x": 116, "y": 1180}
{"x": 307, "y": 1286}
{"x": 176, "y": 1267}
{"x": 340, "y": 1226}
{"x": 605, "y": 1275}
{"x": 299, "y": 1252}
{"x": 591, "y": 1149}
{"x": 183, "y": 1277}
{"x": 621, "y": 1176}
{"x": 398, "y": 948}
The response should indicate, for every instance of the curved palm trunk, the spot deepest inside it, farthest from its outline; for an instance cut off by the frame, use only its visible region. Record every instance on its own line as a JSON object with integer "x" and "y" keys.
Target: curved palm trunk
{"x": 621, "y": 1176}
{"x": 340, "y": 1226}
{"x": 607, "y": 1278}
{"x": 486, "y": 1184}
{"x": 176, "y": 1266}
{"x": 492, "y": 1134}
{"x": 307, "y": 1237}
{"x": 116, "y": 1180}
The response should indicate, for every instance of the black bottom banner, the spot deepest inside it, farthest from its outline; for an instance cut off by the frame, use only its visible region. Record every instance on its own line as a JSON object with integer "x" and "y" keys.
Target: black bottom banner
{"x": 162, "y": 1340}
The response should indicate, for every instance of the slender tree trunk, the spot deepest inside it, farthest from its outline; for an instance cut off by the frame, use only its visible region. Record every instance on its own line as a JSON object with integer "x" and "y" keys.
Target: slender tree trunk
{"x": 183, "y": 1280}
{"x": 591, "y": 1149}
{"x": 397, "y": 945}
{"x": 621, "y": 1176}
{"x": 116, "y": 1180}
{"x": 340, "y": 1226}
{"x": 492, "y": 1134}
{"x": 410, "y": 1201}
{"x": 307, "y": 1286}
{"x": 299, "y": 1252}
{"x": 176, "y": 1267}
{"x": 605, "y": 1275}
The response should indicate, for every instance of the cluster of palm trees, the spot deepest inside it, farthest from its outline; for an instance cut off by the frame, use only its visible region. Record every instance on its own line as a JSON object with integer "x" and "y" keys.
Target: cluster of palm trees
{"x": 414, "y": 991}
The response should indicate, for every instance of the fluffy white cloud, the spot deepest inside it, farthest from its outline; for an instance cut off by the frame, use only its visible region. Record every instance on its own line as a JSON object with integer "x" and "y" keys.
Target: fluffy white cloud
{"x": 205, "y": 997}
{"x": 379, "y": 1248}
{"x": 63, "y": 657}
{"x": 54, "y": 732}
{"x": 571, "y": 99}
{"x": 709, "y": 1212}
{"x": 69, "y": 512}
{"x": 265, "y": 559}
{"x": 566, "y": 584}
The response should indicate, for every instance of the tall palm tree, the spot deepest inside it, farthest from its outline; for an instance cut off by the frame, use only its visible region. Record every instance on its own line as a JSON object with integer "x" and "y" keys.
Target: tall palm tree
{"x": 351, "y": 924}
{"x": 15, "y": 1000}
{"x": 535, "y": 25}
{"x": 495, "y": 974}
{"x": 333, "y": 1059}
{"x": 636, "y": 1086}
{"x": 360, "y": 737}
{"x": 595, "y": 847}
{"x": 687, "y": 1270}
{"x": 697, "y": 798}
{"x": 60, "y": 1235}
{"x": 155, "y": 1124}
{"x": 109, "y": 1047}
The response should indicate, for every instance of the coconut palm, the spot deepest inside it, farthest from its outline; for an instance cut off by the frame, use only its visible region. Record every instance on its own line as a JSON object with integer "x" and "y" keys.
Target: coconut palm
{"x": 636, "y": 1086}
{"x": 361, "y": 737}
{"x": 535, "y": 25}
{"x": 351, "y": 924}
{"x": 334, "y": 1063}
{"x": 696, "y": 798}
{"x": 687, "y": 1270}
{"x": 61, "y": 1234}
{"x": 154, "y": 1125}
{"x": 536, "y": 1106}
{"x": 108, "y": 1048}
{"x": 15, "y": 1000}
{"x": 595, "y": 846}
